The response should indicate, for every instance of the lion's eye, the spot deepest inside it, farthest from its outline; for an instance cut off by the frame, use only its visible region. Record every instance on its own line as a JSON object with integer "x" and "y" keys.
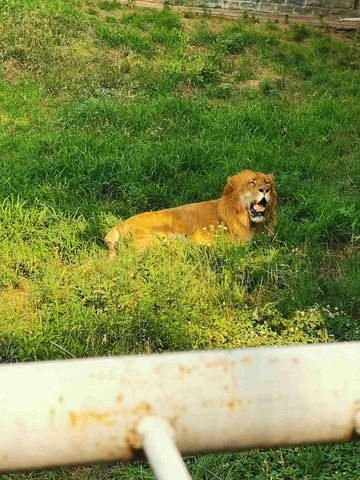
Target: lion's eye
{"x": 253, "y": 182}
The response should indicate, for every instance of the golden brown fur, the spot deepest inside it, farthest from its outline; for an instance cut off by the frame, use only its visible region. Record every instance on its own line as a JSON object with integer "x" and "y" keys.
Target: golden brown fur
{"x": 246, "y": 207}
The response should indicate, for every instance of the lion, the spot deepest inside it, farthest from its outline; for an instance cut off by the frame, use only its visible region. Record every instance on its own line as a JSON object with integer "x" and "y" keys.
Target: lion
{"x": 246, "y": 207}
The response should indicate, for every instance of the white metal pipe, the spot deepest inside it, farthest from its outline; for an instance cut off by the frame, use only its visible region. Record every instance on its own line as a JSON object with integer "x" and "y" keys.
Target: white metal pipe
{"x": 160, "y": 449}
{"x": 88, "y": 410}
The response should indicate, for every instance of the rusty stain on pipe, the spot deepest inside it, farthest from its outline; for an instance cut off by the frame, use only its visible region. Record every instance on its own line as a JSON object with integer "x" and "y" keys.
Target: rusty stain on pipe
{"x": 84, "y": 411}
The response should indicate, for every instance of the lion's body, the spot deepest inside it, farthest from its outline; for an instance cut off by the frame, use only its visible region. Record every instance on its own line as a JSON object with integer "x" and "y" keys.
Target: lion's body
{"x": 200, "y": 220}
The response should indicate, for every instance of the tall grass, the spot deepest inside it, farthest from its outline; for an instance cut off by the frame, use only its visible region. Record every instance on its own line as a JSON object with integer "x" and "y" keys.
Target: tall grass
{"x": 108, "y": 111}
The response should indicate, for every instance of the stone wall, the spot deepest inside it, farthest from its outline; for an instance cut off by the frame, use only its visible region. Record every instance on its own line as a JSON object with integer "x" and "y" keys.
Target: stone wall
{"x": 334, "y": 8}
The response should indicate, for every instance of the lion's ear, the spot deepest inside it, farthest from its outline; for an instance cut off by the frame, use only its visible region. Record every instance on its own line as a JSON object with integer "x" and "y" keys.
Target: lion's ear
{"x": 229, "y": 187}
{"x": 270, "y": 177}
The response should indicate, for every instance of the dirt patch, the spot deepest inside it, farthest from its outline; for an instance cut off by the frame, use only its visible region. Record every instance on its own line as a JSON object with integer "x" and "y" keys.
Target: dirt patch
{"x": 14, "y": 298}
{"x": 249, "y": 84}
{"x": 17, "y": 308}
{"x": 333, "y": 258}
{"x": 98, "y": 12}
{"x": 12, "y": 71}
{"x": 262, "y": 75}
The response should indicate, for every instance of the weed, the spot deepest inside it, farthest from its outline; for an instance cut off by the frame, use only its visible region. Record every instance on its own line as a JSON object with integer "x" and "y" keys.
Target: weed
{"x": 109, "y": 5}
{"x": 204, "y": 36}
{"x": 149, "y": 18}
{"x": 205, "y": 10}
{"x": 271, "y": 25}
{"x": 189, "y": 13}
{"x": 118, "y": 37}
{"x": 300, "y": 32}
{"x": 222, "y": 91}
{"x": 234, "y": 43}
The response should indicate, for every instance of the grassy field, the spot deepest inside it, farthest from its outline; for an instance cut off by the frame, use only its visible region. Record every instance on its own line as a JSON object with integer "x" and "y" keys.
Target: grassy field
{"x": 107, "y": 111}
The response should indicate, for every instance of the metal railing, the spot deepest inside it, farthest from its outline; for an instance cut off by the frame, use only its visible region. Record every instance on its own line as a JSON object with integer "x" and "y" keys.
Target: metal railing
{"x": 93, "y": 410}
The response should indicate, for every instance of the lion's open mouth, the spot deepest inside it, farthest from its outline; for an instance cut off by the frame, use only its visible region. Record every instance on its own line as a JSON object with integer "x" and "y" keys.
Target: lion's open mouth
{"x": 257, "y": 210}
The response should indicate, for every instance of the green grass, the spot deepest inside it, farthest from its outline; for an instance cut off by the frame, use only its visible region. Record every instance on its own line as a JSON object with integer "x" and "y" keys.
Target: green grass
{"x": 108, "y": 111}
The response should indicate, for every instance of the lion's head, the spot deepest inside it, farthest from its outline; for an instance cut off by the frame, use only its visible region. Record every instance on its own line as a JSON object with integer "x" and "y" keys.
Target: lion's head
{"x": 253, "y": 196}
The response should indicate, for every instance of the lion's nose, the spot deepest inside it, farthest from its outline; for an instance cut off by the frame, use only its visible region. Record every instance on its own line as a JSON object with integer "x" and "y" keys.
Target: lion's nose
{"x": 262, "y": 190}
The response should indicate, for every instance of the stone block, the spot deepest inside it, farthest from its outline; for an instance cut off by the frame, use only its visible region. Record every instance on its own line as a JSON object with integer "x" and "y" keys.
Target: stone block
{"x": 300, "y": 10}
{"x": 335, "y": 13}
{"x": 267, "y": 7}
{"x": 331, "y": 3}
{"x": 347, "y": 3}
{"x": 288, "y": 8}
{"x": 300, "y": 3}
{"x": 314, "y": 3}
{"x": 247, "y": 5}
{"x": 324, "y": 12}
